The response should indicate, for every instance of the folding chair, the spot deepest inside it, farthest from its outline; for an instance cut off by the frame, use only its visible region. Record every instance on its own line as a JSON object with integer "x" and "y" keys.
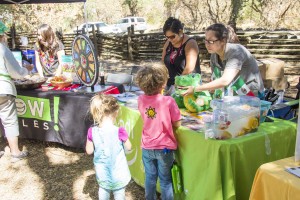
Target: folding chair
{"x": 121, "y": 78}
{"x": 134, "y": 69}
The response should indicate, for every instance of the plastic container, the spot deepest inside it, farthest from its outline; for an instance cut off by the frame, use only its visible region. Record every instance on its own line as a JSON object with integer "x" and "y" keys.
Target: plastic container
{"x": 235, "y": 116}
{"x": 68, "y": 68}
{"x": 264, "y": 109}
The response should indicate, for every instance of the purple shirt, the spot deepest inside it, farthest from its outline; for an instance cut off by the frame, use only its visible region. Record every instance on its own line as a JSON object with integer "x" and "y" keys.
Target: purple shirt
{"x": 123, "y": 135}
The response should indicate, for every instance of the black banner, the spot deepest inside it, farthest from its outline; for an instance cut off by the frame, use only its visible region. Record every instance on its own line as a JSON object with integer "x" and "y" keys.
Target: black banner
{"x": 54, "y": 116}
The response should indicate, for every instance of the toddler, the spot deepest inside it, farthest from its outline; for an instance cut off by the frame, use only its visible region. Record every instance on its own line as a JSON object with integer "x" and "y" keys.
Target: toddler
{"x": 160, "y": 115}
{"x": 107, "y": 142}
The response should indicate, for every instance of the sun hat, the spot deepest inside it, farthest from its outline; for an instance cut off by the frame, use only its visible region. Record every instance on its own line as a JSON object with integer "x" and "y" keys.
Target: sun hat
{"x": 3, "y": 28}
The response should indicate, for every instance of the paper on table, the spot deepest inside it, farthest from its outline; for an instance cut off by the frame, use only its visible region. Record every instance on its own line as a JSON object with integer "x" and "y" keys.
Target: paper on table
{"x": 131, "y": 88}
{"x": 124, "y": 97}
{"x": 294, "y": 170}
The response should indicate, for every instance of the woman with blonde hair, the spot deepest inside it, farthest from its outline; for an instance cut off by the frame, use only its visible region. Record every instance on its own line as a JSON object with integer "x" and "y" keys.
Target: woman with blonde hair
{"x": 48, "y": 52}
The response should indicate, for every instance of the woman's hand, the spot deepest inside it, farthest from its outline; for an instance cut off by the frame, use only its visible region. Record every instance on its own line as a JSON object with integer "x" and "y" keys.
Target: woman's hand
{"x": 189, "y": 90}
{"x": 29, "y": 67}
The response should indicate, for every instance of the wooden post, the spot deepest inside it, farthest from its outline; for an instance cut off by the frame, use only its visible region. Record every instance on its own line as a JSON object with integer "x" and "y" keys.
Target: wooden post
{"x": 95, "y": 40}
{"x": 129, "y": 43}
{"x": 13, "y": 36}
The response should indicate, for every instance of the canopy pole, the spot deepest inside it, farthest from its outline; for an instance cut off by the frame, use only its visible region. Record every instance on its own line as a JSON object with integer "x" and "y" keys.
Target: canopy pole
{"x": 85, "y": 19}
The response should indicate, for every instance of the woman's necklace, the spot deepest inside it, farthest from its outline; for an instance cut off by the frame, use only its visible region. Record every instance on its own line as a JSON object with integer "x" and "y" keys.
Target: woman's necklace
{"x": 175, "y": 52}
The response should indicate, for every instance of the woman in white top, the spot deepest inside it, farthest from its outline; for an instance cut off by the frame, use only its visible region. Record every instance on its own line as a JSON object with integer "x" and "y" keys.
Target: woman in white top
{"x": 9, "y": 68}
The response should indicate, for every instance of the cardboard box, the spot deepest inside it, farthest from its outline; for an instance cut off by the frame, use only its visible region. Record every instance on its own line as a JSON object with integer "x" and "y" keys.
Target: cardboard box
{"x": 271, "y": 68}
{"x": 277, "y": 84}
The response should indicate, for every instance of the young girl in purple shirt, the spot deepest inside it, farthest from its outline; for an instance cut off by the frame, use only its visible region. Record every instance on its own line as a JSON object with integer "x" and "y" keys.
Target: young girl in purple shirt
{"x": 107, "y": 142}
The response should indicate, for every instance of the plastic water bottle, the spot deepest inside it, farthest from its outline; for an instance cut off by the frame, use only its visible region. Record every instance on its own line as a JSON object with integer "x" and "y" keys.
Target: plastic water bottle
{"x": 280, "y": 98}
{"x": 209, "y": 132}
{"x": 176, "y": 178}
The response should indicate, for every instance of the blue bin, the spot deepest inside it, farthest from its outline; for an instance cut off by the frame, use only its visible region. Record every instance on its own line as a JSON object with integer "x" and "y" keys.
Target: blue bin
{"x": 281, "y": 113}
{"x": 264, "y": 109}
{"x": 30, "y": 55}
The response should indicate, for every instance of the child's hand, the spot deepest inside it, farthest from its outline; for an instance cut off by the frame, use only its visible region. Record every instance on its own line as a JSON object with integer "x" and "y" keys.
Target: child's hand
{"x": 29, "y": 67}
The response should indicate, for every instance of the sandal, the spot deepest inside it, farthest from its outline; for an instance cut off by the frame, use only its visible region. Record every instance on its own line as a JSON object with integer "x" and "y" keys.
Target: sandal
{"x": 21, "y": 156}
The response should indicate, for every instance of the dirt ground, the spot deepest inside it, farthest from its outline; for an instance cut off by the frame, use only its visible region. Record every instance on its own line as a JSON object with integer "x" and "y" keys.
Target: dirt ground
{"x": 54, "y": 171}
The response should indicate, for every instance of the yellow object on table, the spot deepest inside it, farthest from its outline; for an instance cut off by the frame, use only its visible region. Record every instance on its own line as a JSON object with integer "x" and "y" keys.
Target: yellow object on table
{"x": 272, "y": 181}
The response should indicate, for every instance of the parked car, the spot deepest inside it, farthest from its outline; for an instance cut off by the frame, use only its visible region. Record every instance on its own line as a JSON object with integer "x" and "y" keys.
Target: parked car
{"x": 139, "y": 23}
{"x": 101, "y": 26}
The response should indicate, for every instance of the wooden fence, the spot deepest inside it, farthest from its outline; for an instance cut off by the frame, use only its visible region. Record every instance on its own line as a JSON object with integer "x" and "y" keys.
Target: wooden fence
{"x": 284, "y": 45}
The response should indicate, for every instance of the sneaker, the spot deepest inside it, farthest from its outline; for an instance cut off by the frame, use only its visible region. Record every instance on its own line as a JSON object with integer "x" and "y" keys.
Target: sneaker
{"x": 21, "y": 156}
{"x": 1, "y": 153}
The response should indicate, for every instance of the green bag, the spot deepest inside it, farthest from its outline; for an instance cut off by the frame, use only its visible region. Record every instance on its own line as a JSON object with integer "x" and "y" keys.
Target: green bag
{"x": 176, "y": 178}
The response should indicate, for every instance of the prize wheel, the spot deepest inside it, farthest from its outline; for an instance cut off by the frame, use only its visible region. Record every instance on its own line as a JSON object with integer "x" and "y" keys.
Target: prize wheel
{"x": 85, "y": 60}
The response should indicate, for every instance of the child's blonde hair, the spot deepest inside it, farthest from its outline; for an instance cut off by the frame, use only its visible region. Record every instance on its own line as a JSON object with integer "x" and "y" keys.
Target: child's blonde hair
{"x": 103, "y": 106}
{"x": 152, "y": 79}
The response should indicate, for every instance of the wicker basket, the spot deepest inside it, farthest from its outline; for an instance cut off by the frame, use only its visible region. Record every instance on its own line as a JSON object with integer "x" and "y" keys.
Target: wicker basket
{"x": 29, "y": 86}
{"x": 61, "y": 84}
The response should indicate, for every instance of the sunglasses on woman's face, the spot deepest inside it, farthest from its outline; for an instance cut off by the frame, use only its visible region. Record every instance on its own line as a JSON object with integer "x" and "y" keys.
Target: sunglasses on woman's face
{"x": 171, "y": 37}
{"x": 210, "y": 41}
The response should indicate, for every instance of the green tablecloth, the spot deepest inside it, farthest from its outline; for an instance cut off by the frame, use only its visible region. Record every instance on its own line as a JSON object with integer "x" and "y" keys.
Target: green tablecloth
{"x": 216, "y": 169}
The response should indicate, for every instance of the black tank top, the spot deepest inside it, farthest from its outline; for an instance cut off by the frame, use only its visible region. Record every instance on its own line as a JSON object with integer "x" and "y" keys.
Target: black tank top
{"x": 176, "y": 66}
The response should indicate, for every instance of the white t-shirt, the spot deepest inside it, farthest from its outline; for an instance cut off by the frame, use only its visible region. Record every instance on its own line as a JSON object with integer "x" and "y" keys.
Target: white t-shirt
{"x": 9, "y": 67}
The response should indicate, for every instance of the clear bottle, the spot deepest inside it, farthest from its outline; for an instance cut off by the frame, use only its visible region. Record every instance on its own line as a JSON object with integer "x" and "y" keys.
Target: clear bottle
{"x": 102, "y": 81}
{"x": 102, "y": 75}
{"x": 209, "y": 131}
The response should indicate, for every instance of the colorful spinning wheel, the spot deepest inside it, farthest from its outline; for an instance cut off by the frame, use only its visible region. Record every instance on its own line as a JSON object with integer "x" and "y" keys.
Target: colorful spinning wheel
{"x": 85, "y": 60}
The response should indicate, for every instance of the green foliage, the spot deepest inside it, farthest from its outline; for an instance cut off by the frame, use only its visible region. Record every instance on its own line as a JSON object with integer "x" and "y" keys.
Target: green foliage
{"x": 133, "y": 6}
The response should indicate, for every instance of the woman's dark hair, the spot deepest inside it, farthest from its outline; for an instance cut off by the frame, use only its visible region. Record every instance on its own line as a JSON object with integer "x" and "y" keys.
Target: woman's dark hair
{"x": 172, "y": 24}
{"x": 222, "y": 31}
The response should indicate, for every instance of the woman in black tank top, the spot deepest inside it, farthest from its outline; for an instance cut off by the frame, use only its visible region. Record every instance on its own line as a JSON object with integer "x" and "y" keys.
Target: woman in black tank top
{"x": 180, "y": 53}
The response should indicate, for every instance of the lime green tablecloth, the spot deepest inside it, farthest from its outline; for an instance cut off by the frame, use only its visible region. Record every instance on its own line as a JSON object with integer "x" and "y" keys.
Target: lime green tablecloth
{"x": 216, "y": 169}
